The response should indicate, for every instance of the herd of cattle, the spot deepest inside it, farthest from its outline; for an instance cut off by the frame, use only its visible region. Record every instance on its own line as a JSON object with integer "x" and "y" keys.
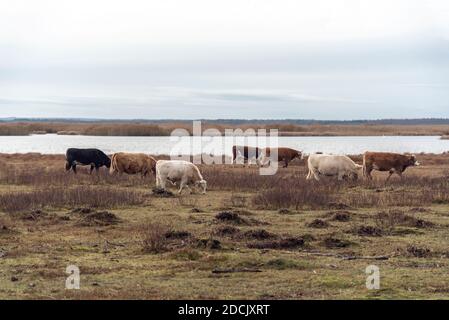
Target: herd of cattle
{"x": 187, "y": 174}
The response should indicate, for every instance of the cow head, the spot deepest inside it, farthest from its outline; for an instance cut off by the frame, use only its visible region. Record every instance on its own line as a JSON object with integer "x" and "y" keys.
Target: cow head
{"x": 108, "y": 163}
{"x": 413, "y": 161}
{"x": 354, "y": 176}
{"x": 202, "y": 184}
{"x": 299, "y": 155}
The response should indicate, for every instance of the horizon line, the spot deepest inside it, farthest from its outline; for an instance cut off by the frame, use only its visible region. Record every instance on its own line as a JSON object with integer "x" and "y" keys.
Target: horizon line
{"x": 220, "y": 119}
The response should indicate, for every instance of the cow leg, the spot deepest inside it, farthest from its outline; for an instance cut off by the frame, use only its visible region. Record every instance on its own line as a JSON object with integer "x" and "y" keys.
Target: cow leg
{"x": 68, "y": 166}
{"x": 340, "y": 176}
{"x": 91, "y": 168}
{"x": 315, "y": 175}
{"x": 309, "y": 175}
{"x": 162, "y": 183}
{"x": 389, "y": 175}
{"x": 285, "y": 162}
{"x": 74, "y": 168}
{"x": 399, "y": 173}
{"x": 367, "y": 173}
{"x": 181, "y": 186}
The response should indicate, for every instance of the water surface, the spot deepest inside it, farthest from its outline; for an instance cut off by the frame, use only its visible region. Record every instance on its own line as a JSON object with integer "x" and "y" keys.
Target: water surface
{"x": 57, "y": 144}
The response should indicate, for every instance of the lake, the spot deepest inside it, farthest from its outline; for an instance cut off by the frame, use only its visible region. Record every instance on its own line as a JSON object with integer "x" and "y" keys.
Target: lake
{"x": 57, "y": 144}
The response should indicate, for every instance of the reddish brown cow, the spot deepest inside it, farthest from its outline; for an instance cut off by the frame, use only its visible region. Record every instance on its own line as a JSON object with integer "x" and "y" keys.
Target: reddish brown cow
{"x": 283, "y": 154}
{"x": 391, "y": 162}
{"x": 132, "y": 163}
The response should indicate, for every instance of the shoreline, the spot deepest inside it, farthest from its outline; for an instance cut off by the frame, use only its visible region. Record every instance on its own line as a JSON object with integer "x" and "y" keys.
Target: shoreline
{"x": 280, "y": 134}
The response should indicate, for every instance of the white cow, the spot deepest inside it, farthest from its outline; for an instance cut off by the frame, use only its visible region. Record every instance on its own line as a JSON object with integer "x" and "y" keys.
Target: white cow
{"x": 332, "y": 166}
{"x": 184, "y": 172}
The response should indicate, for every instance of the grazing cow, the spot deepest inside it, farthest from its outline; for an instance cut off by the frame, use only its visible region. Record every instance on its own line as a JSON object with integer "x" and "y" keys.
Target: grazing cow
{"x": 391, "y": 162}
{"x": 93, "y": 157}
{"x": 248, "y": 153}
{"x": 332, "y": 165}
{"x": 283, "y": 154}
{"x": 132, "y": 163}
{"x": 184, "y": 172}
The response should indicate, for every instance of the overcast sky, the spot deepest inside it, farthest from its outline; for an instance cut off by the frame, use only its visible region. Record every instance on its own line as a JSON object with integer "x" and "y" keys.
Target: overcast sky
{"x": 325, "y": 59}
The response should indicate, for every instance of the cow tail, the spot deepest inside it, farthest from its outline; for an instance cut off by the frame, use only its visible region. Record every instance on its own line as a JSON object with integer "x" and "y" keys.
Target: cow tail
{"x": 113, "y": 163}
{"x": 364, "y": 165}
{"x": 153, "y": 166}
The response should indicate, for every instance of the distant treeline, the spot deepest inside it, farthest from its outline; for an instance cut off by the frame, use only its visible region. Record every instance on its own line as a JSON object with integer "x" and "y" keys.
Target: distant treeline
{"x": 420, "y": 121}
{"x": 164, "y": 128}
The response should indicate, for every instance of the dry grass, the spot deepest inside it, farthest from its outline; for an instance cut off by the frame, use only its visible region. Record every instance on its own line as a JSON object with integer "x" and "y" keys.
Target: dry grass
{"x": 250, "y": 237}
{"x": 97, "y": 197}
{"x": 153, "y": 237}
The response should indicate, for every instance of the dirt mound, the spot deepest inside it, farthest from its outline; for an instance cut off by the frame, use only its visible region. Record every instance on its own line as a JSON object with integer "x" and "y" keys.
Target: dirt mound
{"x": 341, "y": 216}
{"x": 196, "y": 210}
{"x": 318, "y": 223}
{"x": 368, "y": 231}
{"x": 392, "y": 218}
{"x": 213, "y": 244}
{"x": 230, "y": 217}
{"x": 4, "y": 229}
{"x": 418, "y": 252}
{"x": 284, "y": 211}
{"x": 162, "y": 193}
{"x": 332, "y": 242}
{"x": 235, "y": 218}
{"x": 287, "y": 243}
{"x": 102, "y": 218}
{"x": 260, "y": 234}
{"x": 226, "y": 231}
{"x": 420, "y": 223}
{"x": 34, "y": 215}
{"x": 177, "y": 234}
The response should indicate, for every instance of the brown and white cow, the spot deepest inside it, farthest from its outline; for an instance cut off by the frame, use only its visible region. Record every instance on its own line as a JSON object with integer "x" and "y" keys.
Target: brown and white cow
{"x": 384, "y": 161}
{"x": 280, "y": 155}
{"x": 132, "y": 163}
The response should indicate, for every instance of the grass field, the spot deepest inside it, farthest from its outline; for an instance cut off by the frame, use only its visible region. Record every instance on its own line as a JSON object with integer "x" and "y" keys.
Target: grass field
{"x": 249, "y": 237}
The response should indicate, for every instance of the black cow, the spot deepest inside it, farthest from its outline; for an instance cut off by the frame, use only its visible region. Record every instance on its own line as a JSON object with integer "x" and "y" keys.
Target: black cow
{"x": 93, "y": 157}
